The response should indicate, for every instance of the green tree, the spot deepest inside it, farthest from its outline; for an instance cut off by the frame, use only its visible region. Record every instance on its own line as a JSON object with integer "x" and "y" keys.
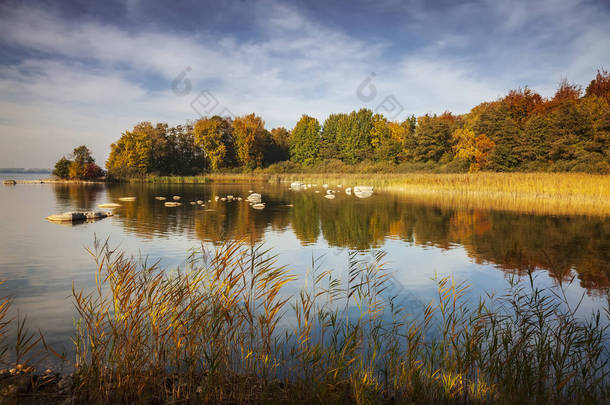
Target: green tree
{"x": 82, "y": 155}
{"x": 62, "y": 168}
{"x": 433, "y": 135}
{"x": 305, "y": 141}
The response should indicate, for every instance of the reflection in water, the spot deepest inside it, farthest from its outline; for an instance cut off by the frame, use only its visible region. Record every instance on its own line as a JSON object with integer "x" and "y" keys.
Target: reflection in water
{"x": 513, "y": 242}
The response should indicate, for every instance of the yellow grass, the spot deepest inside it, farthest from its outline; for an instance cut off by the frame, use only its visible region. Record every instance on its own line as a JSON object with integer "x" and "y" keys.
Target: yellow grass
{"x": 540, "y": 193}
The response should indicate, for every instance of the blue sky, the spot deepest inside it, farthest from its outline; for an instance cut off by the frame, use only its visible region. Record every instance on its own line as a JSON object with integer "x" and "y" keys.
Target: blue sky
{"x": 82, "y": 72}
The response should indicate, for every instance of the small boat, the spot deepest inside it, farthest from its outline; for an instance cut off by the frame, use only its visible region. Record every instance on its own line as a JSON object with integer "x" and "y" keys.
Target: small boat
{"x": 176, "y": 197}
{"x": 329, "y": 196}
{"x": 193, "y": 202}
{"x": 160, "y": 198}
{"x": 348, "y": 191}
{"x": 258, "y": 206}
{"x": 127, "y": 199}
{"x": 172, "y": 204}
{"x": 200, "y": 202}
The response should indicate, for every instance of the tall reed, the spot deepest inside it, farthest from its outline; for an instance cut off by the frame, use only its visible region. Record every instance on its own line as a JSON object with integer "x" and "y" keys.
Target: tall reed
{"x": 226, "y": 330}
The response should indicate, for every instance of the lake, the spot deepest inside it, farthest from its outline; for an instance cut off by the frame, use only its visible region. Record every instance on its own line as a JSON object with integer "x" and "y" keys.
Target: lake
{"x": 39, "y": 260}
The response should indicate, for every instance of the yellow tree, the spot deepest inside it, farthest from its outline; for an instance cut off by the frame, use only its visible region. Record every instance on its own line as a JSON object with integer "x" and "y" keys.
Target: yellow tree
{"x": 211, "y": 136}
{"x": 250, "y": 137}
{"x": 471, "y": 148}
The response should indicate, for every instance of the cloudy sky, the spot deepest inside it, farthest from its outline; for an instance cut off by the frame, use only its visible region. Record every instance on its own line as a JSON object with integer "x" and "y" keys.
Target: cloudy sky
{"x": 75, "y": 72}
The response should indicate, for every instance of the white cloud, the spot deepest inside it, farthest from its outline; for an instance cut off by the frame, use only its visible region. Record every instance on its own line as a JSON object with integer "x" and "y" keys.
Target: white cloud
{"x": 84, "y": 81}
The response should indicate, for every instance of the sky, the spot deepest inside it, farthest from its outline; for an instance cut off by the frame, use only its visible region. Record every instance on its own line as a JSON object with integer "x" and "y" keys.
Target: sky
{"x": 81, "y": 72}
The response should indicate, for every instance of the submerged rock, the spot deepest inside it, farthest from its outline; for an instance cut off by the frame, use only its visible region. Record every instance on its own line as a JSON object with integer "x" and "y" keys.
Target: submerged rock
{"x": 79, "y": 216}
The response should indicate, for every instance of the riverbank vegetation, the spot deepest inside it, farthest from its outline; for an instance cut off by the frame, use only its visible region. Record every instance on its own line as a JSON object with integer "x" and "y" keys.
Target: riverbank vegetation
{"x": 226, "y": 330}
{"x": 521, "y": 131}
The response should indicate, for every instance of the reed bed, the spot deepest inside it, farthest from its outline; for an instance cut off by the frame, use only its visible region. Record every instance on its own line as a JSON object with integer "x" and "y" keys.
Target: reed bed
{"x": 224, "y": 330}
{"x": 539, "y": 193}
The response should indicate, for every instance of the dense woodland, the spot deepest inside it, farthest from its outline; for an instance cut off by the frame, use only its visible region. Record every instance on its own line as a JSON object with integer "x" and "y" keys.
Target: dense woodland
{"x": 520, "y": 132}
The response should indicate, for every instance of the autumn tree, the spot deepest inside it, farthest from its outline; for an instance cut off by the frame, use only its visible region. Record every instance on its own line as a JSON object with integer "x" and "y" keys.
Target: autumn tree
{"x": 214, "y": 136}
{"x": 600, "y": 86}
{"x": 472, "y": 148}
{"x": 305, "y": 141}
{"x": 250, "y": 138}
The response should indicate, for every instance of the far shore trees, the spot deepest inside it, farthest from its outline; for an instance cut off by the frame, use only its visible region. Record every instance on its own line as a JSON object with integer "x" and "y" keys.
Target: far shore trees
{"x": 81, "y": 167}
{"x": 521, "y": 131}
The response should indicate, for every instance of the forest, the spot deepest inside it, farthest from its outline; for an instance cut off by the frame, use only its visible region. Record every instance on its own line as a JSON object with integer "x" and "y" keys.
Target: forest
{"x": 521, "y": 131}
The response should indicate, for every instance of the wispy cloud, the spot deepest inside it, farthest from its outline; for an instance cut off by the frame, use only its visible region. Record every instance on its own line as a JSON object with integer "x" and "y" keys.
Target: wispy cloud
{"x": 84, "y": 80}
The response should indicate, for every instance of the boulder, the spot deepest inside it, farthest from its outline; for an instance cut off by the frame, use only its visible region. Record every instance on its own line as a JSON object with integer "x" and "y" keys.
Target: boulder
{"x": 254, "y": 198}
{"x": 363, "y": 191}
{"x": 76, "y": 216}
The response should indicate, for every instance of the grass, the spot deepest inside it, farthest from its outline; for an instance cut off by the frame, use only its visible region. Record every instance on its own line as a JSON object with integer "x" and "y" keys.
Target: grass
{"x": 226, "y": 330}
{"x": 539, "y": 193}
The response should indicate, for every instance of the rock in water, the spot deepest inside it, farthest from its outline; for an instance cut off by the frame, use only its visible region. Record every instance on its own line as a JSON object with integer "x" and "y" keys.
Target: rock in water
{"x": 78, "y": 216}
{"x": 109, "y": 205}
{"x": 254, "y": 198}
{"x": 363, "y": 191}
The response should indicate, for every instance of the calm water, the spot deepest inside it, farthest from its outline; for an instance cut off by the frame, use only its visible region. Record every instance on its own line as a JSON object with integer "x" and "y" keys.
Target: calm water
{"x": 39, "y": 260}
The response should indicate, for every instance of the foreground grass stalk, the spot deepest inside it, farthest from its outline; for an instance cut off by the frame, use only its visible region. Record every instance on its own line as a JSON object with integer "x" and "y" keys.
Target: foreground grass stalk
{"x": 224, "y": 330}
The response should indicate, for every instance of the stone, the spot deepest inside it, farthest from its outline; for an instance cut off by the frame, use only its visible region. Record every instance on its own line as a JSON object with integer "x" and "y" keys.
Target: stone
{"x": 109, "y": 205}
{"x": 76, "y": 216}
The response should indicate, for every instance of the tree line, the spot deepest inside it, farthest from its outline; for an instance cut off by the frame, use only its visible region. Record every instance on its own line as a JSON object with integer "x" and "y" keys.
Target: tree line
{"x": 521, "y": 131}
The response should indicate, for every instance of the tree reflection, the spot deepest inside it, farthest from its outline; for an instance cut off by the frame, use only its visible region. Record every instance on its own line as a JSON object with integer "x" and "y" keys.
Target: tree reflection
{"x": 513, "y": 242}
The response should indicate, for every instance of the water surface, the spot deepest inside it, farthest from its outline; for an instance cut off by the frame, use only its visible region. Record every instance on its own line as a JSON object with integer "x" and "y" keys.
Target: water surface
{"x": 40, "y": 260}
